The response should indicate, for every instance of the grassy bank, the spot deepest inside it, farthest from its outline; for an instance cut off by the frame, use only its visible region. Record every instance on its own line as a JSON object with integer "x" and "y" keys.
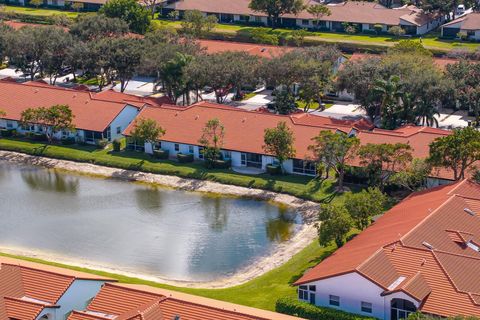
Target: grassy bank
{"x": 300, "y": 186}
{"x": 38, "y": 11}
{"x": 261, "y": 292}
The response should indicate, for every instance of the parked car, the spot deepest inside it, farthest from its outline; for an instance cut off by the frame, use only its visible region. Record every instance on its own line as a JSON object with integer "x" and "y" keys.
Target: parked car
{"x": 460, "y": 9}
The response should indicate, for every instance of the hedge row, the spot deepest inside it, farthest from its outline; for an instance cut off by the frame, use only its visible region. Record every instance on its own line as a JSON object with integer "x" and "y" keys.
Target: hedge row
{"x": 305, "y": 310}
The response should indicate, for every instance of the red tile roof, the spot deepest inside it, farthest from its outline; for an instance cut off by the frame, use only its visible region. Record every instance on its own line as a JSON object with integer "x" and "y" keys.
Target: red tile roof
{"x": 120, "y": 302}
{"x": 24, "y": 291}
{"x": 244, "y": 130}
{"x": 264, "y": 51}
{"x": 440, "y": 62}
{"x": 470, "y": 21}
{"x": 413, "y": 240}
{"x": 91, "y": 112}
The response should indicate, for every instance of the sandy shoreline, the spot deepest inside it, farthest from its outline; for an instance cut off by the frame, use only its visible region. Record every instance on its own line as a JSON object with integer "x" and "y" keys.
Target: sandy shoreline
{"x": 282, "y": 253}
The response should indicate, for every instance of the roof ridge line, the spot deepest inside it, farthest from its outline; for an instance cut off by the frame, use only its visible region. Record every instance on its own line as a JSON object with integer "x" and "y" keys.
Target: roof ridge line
{"x": 446, "y": 273}
{"x": 118, "y": 285}
{"x": 30, "y": 302}
{"x": 457, "y": 186}
{"x": 37, "y": 269}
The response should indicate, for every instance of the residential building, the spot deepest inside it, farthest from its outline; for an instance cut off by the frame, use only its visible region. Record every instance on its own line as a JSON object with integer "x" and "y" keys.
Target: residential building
{"x": 97, "y": 116}
{"x": 127, "y": 302}
{"x": 365, "y": 15}
{"x": 469, "y": 25}
{"x": 35, "y": 291}
{"x": 422, "y": 255}
{"x": 244, "y": 132}
{"x": 29, "y": 293}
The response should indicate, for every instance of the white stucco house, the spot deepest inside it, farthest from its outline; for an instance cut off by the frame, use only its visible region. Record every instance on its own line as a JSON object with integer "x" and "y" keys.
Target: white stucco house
{"x": 97, "y": 117}
{"x": 468, "y": 24}
{"x": 422, "y": 255}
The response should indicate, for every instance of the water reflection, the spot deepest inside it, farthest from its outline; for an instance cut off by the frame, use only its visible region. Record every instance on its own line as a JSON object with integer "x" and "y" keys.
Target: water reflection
{"x": 50, "y": 180}
{"x": 149, "y": 199}
{"x": 216, "y": 212}
{"x": 135, "y": 227}
{"x": 281, "y": 228}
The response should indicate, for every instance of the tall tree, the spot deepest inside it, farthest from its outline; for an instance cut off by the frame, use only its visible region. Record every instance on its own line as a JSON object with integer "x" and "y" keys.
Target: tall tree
{"x": 173, "y": 76}
{"x": 278, "y": 142}
{"x": 4, "y": 30}
{"x": 196, "y": 25}
{"x": 414, "y": 177}
{"x": 334, "y": 224}
{"x": 383, "y": 160}
{"x": 274, "y": 9}
{"x": 125, "y": 59}
{"x": 318, "y": 11}
{"x": 136, "y": 15}
{"x": 146, "y": 131}
{"x": 457, "y": 152}
{"x": 363, "y": 206}
{"x": 212, "y": 141}
{"x": 52, "y": 119}
{"x": 389, "y": 93}
{"x": 94, "y": 26}
{"x": 335, "y": 150}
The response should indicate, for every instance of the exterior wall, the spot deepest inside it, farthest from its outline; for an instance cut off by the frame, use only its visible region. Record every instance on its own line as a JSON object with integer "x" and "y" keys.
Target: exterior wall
{"x": 124, "y": 118}
{"x": 352, "y": 288}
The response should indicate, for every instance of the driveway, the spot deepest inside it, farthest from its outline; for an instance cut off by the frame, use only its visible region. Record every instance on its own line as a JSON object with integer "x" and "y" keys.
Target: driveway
{"x": 347, "y": 111}
{"x": 140, "y": 86}
{"x": 261, "y": 99}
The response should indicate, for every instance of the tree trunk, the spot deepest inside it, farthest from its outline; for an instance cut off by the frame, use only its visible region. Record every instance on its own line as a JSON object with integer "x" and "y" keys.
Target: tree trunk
{"x": 341, "y": 174}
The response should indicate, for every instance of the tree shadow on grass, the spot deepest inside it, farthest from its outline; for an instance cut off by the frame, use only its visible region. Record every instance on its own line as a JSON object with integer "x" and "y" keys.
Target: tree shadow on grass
{"x": 40, "y": 150}
{"x": 313, "y": 261}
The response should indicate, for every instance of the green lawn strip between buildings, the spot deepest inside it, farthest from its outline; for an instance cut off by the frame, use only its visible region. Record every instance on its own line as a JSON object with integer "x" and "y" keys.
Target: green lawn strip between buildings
{"x": 39, "y": 11}
{"x": 261, "y": 292}
{"x": 300, "y": 186}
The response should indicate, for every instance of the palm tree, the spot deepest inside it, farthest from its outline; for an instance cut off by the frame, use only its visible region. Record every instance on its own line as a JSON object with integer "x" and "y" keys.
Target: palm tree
{"x": 425, "y": 113}
{"x": 389, "y": 93}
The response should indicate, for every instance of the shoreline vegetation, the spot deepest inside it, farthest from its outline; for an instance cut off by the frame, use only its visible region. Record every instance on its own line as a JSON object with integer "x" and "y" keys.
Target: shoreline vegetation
{"x": 242, "y": 33}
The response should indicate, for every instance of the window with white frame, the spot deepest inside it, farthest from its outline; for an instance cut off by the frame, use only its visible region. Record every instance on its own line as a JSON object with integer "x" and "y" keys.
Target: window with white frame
{"x": 9, "y": 124}
{"x": 177, "y": 147}
{"x": 227, "y": 155}
{"x": 119, "y": 130}
{"x": 334, "y": 301}
{"x": 307, "y": 293}
{"x": 200, "y": 152}
{"x": 305, "y": 22}
{"x": 190, "y": 149}
{"x": 366, "y": 307}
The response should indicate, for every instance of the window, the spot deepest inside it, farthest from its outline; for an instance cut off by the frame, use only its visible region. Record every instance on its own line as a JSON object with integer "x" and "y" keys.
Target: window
{"x": 244, "y": 18}
{"x": 200, "y": 152}
{"x": 305, "y": 22}
{"x": 119, "y": 130}
{"x": 366, "y": 307}
{"x": 334, "y": 300}
{"x": 258, "y": 19}
{"x": 227, "y": 155}
{"x": 9, "y": 124}
{"x": 307, "y": 293}
{"x": 190, "y": 149}
{"x": 157, "y": 145}
{"x": 177, "y": 147}
{"x": 304, "y": 167}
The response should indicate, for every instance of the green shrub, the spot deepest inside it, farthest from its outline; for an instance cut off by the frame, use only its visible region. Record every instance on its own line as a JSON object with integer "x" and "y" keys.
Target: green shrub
{"x": 293, "y": 307}
{"x": 38, "y": 136}
{"x": 68, "y": 141}
{"x": 184, "y": 158}
{"x": 6, "y": 132}
{"x": 117, "y": 145}
{"x": 101, "y": 143}
{"x": 273, "y": 169}
{"x": 161, "y": 154}
{"x": 222, "y": 164}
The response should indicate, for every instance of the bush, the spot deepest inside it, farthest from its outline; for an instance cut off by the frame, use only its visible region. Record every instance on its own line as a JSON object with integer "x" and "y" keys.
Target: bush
{"x": 184, "y": 158}
{"x": 101, "y": 143}
{"x": 5, "y": 133}
{"x": 260, "y": 35}
{"x": 161, "y": 154}
{"x": 305, "y": 310}
{"x": 396, "y": 31}
{"x": 117, "y": 145}
{"x": 222, "y": 164}
{"x": 378, "y": 28}
{"x": 273, "y": 169}
{"x": 68, "y": 141}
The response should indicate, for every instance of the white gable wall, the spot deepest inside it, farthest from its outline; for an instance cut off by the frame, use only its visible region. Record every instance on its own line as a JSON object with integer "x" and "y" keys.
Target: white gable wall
{"x": 352, "y": 288}
{"x": 123, "y": 119}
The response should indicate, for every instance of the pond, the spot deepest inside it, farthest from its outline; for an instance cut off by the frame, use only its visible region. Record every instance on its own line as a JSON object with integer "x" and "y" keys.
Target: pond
{"x": 136, "y": 227}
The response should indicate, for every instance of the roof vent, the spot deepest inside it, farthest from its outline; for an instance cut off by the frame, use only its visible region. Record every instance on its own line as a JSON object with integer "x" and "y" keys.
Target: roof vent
{"x": 176, "y": 114}
{"x": 74, "y": 95}
{"x": 176, "y": 318}
{"x": 428, "y": 245}
{"x": 263, "y": 50}
{"x": 470, "y": 212}
{"x": 423, "y": 261}
{"x": 244, "y": 120}
{"x": 196, "y": 117}
{"x": 36, "y": 90}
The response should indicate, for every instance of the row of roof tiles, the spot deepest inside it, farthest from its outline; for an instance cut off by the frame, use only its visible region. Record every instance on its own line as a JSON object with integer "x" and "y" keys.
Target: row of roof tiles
{"x": 422, "y": 247}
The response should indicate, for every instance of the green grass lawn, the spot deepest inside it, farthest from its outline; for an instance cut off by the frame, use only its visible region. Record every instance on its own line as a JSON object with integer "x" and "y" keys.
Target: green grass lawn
{"x": 261, "y": 292}
{"x": 39, "y": 11}
{"x": 301, "y": 105}
{"x": 431, "y": 40}
{"x": 87, "y": 81}
{"x": 300, "y": 186}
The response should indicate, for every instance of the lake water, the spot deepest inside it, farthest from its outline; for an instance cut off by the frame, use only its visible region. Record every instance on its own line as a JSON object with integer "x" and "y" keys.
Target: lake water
{"x": 136, "y": 227}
